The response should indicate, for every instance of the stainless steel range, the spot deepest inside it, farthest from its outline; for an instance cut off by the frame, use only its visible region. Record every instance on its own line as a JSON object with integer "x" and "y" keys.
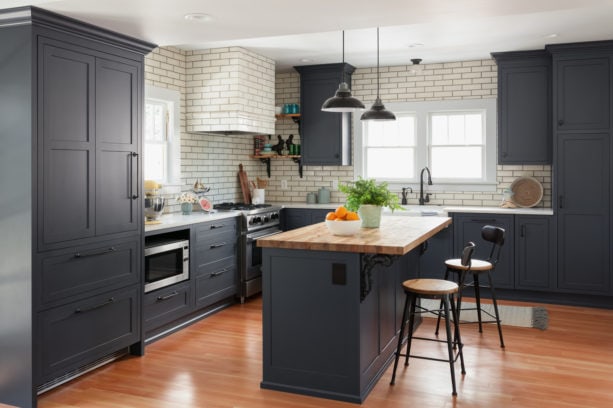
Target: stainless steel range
{"x": 257, "y": 221}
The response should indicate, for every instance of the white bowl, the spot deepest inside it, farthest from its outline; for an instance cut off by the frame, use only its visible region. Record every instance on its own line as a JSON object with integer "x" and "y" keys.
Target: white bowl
{"x": 344, "y": 227}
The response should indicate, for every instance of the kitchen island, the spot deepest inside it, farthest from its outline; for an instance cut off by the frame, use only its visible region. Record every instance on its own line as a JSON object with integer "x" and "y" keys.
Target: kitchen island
{"x": 332, "y": 305}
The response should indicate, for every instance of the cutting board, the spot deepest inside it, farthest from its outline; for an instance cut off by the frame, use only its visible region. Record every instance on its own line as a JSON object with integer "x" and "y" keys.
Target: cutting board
{"x": 244, "y": 181}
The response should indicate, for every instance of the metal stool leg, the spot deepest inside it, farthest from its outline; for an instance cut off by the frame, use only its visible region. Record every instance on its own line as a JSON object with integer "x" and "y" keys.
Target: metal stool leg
{"x": 458, "y": 339}
{"x": 478, "y": 299}
{"x": 489, "y": 277}
{"x": 411, "y": 326}
{"x": 400, "y": 336}
{"x": 445, "y": 299}
{"x": 438, "y": 319}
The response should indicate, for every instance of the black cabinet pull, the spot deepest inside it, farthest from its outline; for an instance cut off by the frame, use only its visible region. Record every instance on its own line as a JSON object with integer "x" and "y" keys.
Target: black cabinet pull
{"x": 219, "y": 245}
{"x": 89, "y": 309}
{"x": 561, "y": 202}
{"x": 504, "y": 154}
{"x": 169, "y": 296}
{"x": 561, "y": 122}
{"x": 135, "y": 155}
{"x": 95, "y": 253}
{"x": 216, "y": 226}
{"x": 522, "y": 232}
{"x": 490, "y": 221}
{"x": 221, "y": 272}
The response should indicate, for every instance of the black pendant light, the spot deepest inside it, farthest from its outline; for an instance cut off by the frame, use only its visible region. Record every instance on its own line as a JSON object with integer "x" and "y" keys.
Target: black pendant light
{"x": 342, "y": 101}
{"x": 377, "y": 111}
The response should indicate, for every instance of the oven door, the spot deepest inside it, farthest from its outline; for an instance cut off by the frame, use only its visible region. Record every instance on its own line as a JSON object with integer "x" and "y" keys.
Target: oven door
{"x": 253, "y": 254}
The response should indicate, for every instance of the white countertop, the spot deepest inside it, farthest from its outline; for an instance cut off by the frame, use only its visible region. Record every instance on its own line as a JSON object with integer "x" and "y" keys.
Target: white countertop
{"x": 442, "y": 208}
{"x": 177, "y": 219}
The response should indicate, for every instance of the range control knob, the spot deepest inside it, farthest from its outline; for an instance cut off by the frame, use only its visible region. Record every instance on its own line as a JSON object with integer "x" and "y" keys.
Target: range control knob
{"x": 257, "y": 220}
{"x": 265, "y": 220}
{"x": 274, "y": 216}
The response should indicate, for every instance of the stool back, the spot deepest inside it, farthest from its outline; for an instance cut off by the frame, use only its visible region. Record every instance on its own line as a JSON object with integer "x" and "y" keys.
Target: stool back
{"x": 495, "y": 235}
{"x": 467, "y": 254}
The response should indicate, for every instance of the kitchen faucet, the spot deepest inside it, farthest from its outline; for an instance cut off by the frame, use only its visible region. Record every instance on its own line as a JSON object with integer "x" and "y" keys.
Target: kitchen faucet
{"x": 423, "y": 200}
{"x": 404, "y": 195}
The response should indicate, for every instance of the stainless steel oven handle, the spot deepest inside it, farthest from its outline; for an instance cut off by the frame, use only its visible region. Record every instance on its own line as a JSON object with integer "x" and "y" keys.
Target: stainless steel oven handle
{"x": 253, "y": 237}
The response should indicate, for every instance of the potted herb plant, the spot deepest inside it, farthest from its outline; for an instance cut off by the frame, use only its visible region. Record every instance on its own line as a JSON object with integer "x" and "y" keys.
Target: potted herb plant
{"x": 368, "y": 198}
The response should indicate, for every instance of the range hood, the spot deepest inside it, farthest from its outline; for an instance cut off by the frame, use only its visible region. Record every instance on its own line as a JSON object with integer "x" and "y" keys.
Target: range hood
{"x": 230, "y": 91}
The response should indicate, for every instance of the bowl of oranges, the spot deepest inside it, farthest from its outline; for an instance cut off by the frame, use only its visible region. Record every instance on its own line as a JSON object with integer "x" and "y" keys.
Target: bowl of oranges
{"x": 343, "y": 222}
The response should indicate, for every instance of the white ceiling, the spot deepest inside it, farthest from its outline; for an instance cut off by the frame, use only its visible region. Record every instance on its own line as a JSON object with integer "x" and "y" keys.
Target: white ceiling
{"x": 309, "y": 32}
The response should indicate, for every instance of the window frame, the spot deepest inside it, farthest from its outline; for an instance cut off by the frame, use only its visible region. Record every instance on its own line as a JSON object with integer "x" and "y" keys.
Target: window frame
{"x": 422, "y": 110}
{"x": 172, "y": 99}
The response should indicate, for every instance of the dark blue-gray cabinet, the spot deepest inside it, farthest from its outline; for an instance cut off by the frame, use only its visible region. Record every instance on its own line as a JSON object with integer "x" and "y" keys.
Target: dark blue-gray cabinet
{"x": 524, "y": 107}
{"x": 582, "y": 167}
{"x": 434, "y": 252}
{"x": 325, "y": 137}
{"x": 467, "y": 227}
{"x": 292, "y": 218}
{"x": 535, "y": 252}
{"x": 71, "y": 122}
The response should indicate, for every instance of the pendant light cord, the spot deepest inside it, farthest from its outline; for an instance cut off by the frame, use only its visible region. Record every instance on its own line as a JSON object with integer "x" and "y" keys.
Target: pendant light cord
{"x": 343, "y": 66}
{"x": 377, "y": 62}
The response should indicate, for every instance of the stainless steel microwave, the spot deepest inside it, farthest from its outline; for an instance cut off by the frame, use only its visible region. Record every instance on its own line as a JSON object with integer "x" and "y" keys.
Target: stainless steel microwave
{"x": 166, "y": 263}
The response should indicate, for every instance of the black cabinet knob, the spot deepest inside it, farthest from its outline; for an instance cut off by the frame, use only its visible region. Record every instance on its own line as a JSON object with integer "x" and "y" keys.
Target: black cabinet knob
{"x": 336, "y": 156}
{"x": 560, "y": 122}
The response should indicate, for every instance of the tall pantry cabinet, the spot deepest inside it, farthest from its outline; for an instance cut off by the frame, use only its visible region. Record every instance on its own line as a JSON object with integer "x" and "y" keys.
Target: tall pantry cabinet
{"x": 582, "y": 80}
{"x": 71, "y": 98}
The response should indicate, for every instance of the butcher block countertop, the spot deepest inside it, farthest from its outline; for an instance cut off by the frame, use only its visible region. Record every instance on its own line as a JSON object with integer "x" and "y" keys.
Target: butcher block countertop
{"x": 395, "y": 236}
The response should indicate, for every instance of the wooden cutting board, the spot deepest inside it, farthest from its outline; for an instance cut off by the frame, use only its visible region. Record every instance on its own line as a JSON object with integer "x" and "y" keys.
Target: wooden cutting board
{"x": 244, "y": 181}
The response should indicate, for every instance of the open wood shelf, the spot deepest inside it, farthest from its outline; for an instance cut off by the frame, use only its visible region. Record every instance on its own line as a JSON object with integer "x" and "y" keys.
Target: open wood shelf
{"x": 266, "y": 159}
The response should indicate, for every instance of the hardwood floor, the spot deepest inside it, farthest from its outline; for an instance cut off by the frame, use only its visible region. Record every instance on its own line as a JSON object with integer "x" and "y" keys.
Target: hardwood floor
{"x": 217, "y": 363}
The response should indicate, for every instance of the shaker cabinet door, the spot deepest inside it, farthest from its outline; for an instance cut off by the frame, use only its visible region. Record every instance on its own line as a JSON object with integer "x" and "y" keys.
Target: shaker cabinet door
{"x": 66, "y": 138}
{"x": 118, "y": 164}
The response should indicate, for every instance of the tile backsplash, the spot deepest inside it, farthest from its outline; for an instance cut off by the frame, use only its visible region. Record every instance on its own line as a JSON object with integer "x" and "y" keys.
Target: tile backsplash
{"x": 214, "y": 159}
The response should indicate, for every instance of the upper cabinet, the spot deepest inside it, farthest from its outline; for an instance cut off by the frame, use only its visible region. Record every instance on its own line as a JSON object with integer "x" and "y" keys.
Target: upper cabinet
{"x": 524, "y": 107}
{"x": 325, "y": 136}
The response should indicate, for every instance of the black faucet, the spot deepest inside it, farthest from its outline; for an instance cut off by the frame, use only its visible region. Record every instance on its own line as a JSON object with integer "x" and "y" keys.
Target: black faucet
{"x": 423, "y": 200}
{"x": 404, "y": 195}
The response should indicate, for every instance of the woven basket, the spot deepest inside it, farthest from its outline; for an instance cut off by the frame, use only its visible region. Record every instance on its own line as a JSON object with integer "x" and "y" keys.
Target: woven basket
{"x": 527, "y": 191}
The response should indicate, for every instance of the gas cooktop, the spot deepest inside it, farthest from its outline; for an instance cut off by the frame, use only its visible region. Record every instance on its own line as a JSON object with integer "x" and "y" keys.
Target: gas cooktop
{"x": 239, "y": 206}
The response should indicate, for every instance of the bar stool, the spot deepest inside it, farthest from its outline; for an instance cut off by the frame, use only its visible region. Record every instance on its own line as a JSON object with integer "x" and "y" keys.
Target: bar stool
{"x": 492, "y": 234}
{"x": 433, "y": 289}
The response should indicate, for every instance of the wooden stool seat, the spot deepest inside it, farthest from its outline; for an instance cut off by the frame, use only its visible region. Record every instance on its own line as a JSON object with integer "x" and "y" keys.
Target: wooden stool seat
{"x": 430, "y": 287}
{"x": 476, "y": 265}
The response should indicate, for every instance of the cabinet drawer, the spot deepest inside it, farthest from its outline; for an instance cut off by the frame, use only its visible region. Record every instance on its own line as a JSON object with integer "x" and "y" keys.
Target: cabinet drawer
{"x": 213, "y": 248}
{"x": 167, "y": 304}
{"x": 206, "y": 229}
{"x": 216, "y": 282}
{"x": 77, "y": 273}
{"x": 81, "y": 332}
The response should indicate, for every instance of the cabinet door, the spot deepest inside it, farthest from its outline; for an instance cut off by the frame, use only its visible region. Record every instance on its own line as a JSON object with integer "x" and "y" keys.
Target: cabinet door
{"x": 295, "y": 218}
{"x": 584, "y": 184}
{"x": 438, "y": 249}
{"x": 582, "y": 93}
{"x": 218, "y": 281}
{"x": 467, "y": 227}
{"x": 534, "y": 252}
{"x": 118, "y": 163}
{"x": 167, "y": 304}
{"x": 524, "y": 112}
{"x": 66, "y": 137}
{"x": 325, "y": 136}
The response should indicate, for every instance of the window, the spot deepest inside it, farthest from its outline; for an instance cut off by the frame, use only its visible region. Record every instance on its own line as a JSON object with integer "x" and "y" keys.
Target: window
{"x": 455, "y": 139}
{"x": 161, "y": 159}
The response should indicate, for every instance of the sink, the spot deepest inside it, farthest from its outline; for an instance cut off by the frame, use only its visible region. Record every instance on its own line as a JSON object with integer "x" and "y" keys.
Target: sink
{"x": 418, "y": 211}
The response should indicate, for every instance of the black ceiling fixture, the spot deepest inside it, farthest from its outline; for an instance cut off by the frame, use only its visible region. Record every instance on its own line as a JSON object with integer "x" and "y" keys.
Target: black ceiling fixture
{"x": 377, "y": 111}
{"x": 342, "y": 101}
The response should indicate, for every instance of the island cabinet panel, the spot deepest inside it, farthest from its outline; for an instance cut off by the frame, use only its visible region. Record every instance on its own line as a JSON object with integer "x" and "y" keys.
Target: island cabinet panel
{"x": 434, "y": 253}
{"x": 320, "y": 337}
{"x": 467, "y": 227}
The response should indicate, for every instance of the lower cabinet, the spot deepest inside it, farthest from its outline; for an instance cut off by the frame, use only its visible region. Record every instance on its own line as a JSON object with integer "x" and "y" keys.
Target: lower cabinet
{"x": 436, "y": 250}
{"x": 535, "y": 252}
{"x": 78, "y": 333}
{"x": 216, "y": 281}
{"x": 467, "y": 227}
{"x": 165, "y": 305}
{"x": 292, "y": 218}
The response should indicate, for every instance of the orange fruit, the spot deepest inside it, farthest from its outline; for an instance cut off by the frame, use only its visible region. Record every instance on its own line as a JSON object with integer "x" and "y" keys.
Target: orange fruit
{"x": 352, "y": 216}
{"x": 341, "y": 212}
{"x": 331, "y": 216}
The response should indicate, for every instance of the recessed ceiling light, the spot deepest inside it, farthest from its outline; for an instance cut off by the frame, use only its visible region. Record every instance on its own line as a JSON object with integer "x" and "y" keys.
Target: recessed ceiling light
{"x": 204, "y": 18}
{"x": 305, "y": 60}
{"x": 551, "y": 35}
{"x": 416, "y": 44}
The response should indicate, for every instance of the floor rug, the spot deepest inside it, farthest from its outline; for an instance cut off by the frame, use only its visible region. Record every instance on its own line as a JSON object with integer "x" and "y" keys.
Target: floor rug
{"x": 522, "y": 316}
